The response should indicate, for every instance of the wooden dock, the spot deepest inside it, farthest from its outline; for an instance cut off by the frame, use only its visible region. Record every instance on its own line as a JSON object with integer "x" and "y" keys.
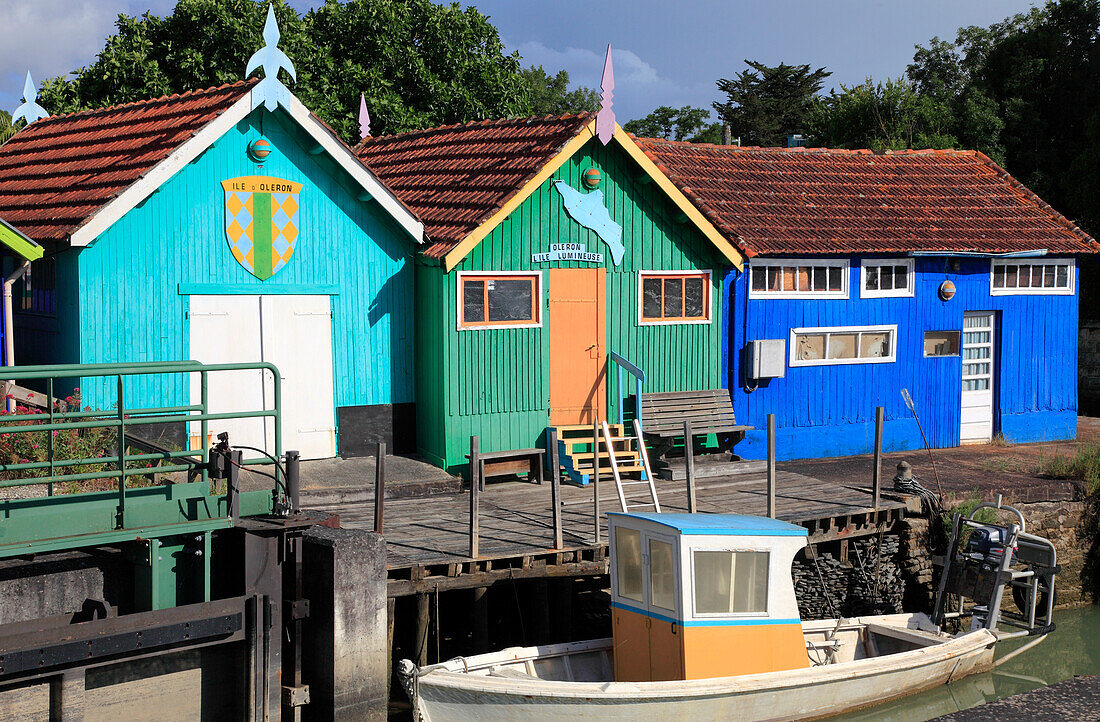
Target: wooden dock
{"x": 428, "y": 538}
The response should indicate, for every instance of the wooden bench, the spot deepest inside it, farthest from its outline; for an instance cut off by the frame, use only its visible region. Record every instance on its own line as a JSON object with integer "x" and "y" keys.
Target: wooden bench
{"x": 709, "y": 411}
{"x": 509, "y": 463}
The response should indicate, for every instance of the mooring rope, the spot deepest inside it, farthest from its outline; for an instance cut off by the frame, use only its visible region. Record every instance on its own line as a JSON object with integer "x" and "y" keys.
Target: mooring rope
{"x": 913, "y": 486}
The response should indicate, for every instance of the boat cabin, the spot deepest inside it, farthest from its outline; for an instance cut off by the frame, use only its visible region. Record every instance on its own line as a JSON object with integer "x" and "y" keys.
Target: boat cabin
{"x": 695, "y": 596}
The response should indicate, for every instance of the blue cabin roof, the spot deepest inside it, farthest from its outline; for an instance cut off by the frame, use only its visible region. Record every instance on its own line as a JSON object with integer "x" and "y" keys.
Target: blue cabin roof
{"x": 720, "y": 524}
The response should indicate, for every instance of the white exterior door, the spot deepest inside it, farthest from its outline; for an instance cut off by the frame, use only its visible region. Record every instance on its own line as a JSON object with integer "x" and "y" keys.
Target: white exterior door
{"x": 292, "y": 332}
{"x": 976, "y": 421}
{"x": 298, "y": 340}
{"x": 226, "y": 329}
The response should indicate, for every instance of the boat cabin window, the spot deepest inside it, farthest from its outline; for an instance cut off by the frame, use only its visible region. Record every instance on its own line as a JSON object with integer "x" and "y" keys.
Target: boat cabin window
{"x": 662, "y": 575}
{"x": 628, "y": 559}
{"x": 729, "y": 582}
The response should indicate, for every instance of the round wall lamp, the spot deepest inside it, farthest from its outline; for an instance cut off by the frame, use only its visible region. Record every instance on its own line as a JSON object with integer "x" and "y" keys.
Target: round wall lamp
{"x": 591, "y": 178}
{"x": 947, "y": 290}
{"x": 259, "y": 150}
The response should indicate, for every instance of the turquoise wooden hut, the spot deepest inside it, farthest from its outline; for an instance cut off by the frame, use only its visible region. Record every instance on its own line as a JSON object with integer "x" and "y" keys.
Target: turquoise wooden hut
{"x": 222, "y": 225}
{"x": 553, "y": 261}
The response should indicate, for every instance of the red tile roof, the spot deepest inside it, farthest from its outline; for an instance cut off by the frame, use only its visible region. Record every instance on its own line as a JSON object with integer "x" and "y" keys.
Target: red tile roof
{"x": 57, "y": 172}
{"x": 818, "y": 201}
{"x": 457, "y": 176}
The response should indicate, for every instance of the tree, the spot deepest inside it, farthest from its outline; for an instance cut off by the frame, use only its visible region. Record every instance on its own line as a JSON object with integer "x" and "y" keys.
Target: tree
{"x": 550, "y": 95}
{"x": 419, "y": 64}
{"x": 7, "y": 130}
{"x": 764, "y": 104}
{"x": 881, "y": 116}
{"x": 670, "y": 123}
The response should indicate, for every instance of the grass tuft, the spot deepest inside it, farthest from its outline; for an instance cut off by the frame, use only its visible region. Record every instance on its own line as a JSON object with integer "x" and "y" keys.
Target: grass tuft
{"x": 1083, "y": 467}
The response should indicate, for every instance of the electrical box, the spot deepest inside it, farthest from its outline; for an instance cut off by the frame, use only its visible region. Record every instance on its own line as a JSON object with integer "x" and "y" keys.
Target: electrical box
{"x": 767, "y": 359}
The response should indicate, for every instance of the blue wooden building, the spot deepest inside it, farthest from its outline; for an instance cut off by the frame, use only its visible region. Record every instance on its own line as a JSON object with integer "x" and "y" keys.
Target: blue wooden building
{"x": 221, "y": 225}
{"x": 869, "y": 276}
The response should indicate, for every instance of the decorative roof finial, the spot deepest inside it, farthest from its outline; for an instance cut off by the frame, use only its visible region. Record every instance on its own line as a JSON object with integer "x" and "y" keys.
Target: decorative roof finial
{"x": 270, "y": 91}
{"x": 605, "y": 119}
{"x": 364, "y": 118}
{"x": 29, "y": 110}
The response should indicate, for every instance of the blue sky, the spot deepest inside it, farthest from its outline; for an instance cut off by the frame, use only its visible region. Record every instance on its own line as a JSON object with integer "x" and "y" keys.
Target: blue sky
{"x": 665, "y": 53}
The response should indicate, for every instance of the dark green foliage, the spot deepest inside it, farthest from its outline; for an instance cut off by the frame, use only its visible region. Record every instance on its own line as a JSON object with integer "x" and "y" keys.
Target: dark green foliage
{"x": 419, "y": 64}
{"x": 7, "y": 130}
{"x": 765, "y": 104}
{"x": 550, "y": 95}
{"x": 672, "y": 123}
{"x": 890, "y": 115}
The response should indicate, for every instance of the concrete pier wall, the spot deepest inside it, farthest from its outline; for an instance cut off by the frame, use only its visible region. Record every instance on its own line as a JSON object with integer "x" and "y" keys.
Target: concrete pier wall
{"x": 345, "y": 658}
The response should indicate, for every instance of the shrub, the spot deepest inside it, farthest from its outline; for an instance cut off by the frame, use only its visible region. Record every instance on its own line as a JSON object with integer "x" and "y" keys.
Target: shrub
{"x": 68, "y": 444}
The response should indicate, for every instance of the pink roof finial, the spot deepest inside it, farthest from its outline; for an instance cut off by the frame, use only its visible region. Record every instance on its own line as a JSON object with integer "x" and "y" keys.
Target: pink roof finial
{"x": 364, "y": 118}
{"x": 605, "y": 119}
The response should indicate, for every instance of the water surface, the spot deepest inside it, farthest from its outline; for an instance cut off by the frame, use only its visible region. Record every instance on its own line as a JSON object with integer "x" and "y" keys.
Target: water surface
{"x": 1072, "y": 649}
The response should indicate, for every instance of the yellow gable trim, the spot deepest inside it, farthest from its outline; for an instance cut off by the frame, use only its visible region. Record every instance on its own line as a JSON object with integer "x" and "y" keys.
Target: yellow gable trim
{"x": 720, "y": 242}
{"x": 455, "y": 256}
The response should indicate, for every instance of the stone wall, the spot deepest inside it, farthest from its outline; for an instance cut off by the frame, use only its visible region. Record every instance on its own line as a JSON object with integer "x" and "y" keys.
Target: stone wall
{"x": 850, "y": 578}
{"x": 1088, "y": 368}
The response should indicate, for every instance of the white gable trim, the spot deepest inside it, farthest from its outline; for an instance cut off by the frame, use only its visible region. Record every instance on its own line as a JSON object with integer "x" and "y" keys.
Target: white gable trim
{"x": 108, "y": 214}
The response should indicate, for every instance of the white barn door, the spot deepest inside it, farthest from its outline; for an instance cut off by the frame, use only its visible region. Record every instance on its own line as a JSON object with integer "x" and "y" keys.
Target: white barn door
{"x": 976, "y": 421}
{"x": 292, "y": 332}
{"x": 226, "y": 329}
{"x": 297, "y": 335}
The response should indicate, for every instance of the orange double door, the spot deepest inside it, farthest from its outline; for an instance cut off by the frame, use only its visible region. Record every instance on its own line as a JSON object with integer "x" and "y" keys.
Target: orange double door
{"x": 578, "y": 346}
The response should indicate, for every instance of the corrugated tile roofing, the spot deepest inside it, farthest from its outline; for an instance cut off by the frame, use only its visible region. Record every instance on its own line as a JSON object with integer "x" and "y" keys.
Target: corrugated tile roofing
{"x": 820, "y": 201}
{"x": 455, "y": 177}
{"x": 57, "y": 172}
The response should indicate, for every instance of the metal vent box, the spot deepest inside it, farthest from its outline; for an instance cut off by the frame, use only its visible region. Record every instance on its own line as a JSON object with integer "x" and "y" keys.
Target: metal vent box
{"x": 767, "y": 358}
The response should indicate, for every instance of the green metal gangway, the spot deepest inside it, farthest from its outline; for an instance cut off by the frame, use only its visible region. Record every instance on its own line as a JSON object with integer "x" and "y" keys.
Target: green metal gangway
{"x": 129, "y": 512}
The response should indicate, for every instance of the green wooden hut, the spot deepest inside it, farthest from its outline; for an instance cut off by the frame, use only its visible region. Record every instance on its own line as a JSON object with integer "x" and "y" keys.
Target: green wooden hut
{"x": 552, "y": 261}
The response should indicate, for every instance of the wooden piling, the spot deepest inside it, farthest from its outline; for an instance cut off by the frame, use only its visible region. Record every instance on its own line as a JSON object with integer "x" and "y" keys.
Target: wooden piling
{"x": 540, "y": 611}
{"x": 391, "y": 607}
{"x": 379, "y": 486}
{"x": 561, "y": 591}
{"x": 555, "y": 488}
{"x": 876, "y": 478}
{"x": 597, "y": 534}
{"x": 479, "y": 610}
{"x": 689, "y": 466}
{"x": 420, "y": 647}
{"x": 771, "y": 466}
{"x": 475, "y": 482}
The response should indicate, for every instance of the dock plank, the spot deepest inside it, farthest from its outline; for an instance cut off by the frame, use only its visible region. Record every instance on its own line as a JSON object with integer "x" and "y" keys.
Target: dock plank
{"x": 515, "y": 517}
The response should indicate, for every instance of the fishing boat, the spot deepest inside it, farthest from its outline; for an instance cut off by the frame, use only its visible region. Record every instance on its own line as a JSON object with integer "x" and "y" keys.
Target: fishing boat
{"x": 705, "y": 626}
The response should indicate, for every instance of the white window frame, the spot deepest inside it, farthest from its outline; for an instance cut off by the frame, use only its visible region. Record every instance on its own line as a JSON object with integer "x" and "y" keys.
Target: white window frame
{"x": 842, "y": 263}
{"x": 708, "y": 299}
{"x": 794, "y": 361}
{"x": 537, "y": 302}
{"x": 695, "y": 614}
{"x": 892, "y": 293}
{"x": 1030, "y": 261}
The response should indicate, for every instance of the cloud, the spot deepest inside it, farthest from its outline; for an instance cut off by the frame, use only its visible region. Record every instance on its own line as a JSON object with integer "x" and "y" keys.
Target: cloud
{"x": 55, "y": 37}
{"x": 639, "y": 87}
{"x": 585, "y": 66}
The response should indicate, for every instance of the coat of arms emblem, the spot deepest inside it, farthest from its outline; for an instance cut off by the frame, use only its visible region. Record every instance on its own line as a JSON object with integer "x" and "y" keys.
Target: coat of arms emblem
{"x": 261, "y": 222}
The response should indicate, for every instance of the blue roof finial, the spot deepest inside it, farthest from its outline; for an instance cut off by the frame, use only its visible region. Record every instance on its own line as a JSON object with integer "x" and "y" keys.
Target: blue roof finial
{"x": 270, "y": 91}
{"x": 29, "y": 110}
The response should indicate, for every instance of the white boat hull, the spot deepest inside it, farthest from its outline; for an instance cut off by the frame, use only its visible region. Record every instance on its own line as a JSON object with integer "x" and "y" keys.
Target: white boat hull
{"x": 444, "y": 694}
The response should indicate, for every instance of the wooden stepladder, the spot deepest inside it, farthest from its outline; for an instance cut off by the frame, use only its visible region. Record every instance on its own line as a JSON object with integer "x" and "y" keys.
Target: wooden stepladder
{"x": 616, "y": 467}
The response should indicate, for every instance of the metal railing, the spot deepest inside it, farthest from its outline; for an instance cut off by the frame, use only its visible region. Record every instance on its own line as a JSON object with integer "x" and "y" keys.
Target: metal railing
{"x": 639, "y": 379}
{"x": 117, "y": 463}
